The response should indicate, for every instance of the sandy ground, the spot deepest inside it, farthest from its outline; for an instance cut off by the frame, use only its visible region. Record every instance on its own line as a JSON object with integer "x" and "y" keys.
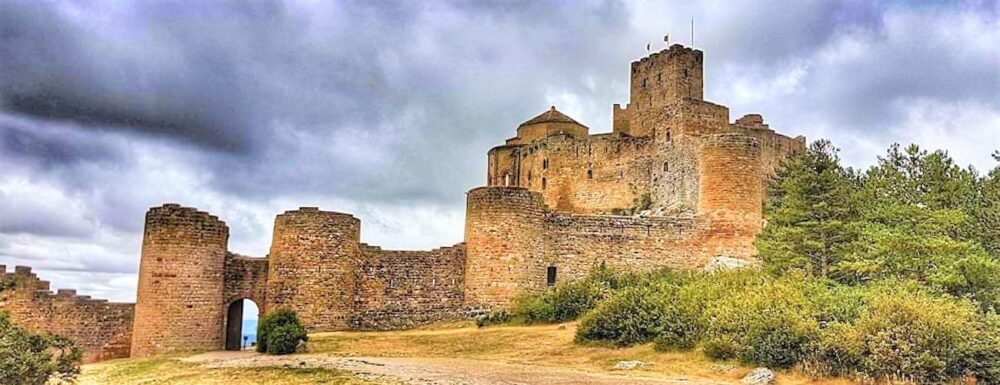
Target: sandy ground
{"x": 433, "y": 371}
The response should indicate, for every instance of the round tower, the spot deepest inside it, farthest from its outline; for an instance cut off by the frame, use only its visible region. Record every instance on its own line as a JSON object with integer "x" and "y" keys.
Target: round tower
{"x": 311, "y": 267}
{"x": 730, "y": 194}
{"x": 505, "y": 244}
{"x": 179, "y": 304}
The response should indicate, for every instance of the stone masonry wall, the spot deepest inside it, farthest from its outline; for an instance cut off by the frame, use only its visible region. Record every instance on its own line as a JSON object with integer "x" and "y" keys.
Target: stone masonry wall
{"x": 179, "y": 303}
{"x": 404, "y": 289}
{"x": 577, "y": 243}
{"x": 598, "y": 174}
{"x": 246, "y": 278}
{"x": 102, "y": 329}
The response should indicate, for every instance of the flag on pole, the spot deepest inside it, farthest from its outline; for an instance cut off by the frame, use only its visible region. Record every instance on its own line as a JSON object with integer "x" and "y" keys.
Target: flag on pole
{"x": 647, "y": 47}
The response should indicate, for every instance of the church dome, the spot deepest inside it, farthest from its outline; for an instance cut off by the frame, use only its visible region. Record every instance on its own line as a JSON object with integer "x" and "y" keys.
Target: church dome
{"x": 551, "y": 122}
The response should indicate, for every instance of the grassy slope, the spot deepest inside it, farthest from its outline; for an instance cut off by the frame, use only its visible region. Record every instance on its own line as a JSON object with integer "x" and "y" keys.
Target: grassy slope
{"x": 171, "y": 371}
{"x": 547, "y": 345}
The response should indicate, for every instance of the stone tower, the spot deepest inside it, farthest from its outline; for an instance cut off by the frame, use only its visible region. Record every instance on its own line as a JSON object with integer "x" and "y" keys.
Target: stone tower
{"x": 312, "y": 266}
{"x": 181, "y": 278}
{"x": 504, "y": 237}
{"x": 730, "y": 194}
{"x": 656, "y": 81}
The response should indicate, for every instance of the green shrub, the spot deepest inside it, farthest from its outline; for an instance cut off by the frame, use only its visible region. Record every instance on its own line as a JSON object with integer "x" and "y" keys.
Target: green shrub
{"x": 280, "y": 332}
{"x": 770, "y": 324}
{"x": 914, "y": 336}
{"x": 640, "y": 314}
{"x": 31, "y": 359}
{"x": 561, "y": 303}
{"x": 491, "y": 318}
{"x": 284, "y": 339}
{"x": 571, "y": 299}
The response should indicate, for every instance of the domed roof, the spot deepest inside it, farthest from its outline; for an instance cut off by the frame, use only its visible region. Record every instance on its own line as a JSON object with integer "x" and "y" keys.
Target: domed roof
{"x": 551, "y": 116}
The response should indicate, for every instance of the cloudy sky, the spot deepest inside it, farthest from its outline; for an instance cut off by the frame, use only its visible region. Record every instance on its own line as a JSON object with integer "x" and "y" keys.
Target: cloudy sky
{"x": 386, "y": 110}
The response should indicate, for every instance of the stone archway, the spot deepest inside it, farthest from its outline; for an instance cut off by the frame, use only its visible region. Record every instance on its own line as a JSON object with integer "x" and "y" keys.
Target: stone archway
{"x": 234, "y": 324}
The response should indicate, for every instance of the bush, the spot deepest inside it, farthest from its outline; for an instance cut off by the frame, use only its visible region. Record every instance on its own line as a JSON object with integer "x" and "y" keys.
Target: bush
{"x": 559, "y": 304}
{"x": 571, "y": 299}
{"x": 768, "y": 325}
{"x": 280, "y": 332}
{"x": 31, "y": 359}
{"x": 914, "y": 336}
{"x": 640, "y": 314}
{"x": 497, "y": 317}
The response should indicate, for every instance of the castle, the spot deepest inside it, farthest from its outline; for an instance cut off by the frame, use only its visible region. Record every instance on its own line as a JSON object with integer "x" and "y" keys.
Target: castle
{"x": 674, "y": 184}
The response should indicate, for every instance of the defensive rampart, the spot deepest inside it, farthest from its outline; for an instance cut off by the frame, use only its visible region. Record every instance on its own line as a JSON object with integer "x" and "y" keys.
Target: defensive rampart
{"x": 102, "y": 329}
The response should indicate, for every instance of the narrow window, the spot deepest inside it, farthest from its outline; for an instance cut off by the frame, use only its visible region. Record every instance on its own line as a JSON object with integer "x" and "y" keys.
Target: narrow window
{"x": 685, "y": 73}
{"x": 543, "y": 183}
{"x": 659, "y": 77}
{"x": 666, "y": 166}
{"x": 668, "y": 135}
{"x": 529, "y": 175}
{"x": 643, "y": 83}
{"x": 545, "y": 164}
{"x": 590, "y": 174}
{"x": 550, "y": 276}
{"x": 506, "y": 180}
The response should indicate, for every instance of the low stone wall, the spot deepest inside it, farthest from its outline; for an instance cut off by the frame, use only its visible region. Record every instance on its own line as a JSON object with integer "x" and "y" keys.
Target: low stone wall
{"x": 102, "y": 329}
{"x": 404, "y": 289}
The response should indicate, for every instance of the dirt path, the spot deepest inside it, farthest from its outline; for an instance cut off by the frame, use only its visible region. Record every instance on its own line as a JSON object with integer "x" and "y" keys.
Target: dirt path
{"x": 435, "y": 371}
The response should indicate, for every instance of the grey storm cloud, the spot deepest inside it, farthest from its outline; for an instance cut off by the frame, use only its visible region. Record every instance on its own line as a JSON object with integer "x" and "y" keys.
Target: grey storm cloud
{"x": 387, "y": 108}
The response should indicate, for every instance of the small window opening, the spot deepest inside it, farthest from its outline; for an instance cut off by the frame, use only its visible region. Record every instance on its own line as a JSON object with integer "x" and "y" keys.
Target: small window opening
{"x": 659, "y": 77}
{"x": 643, "y": 83}
{"x": 590, "y": 174}
{"x": 543, "y": 183}
{"x": 529, "y": 176}
{"x": 666, "y": 166}
{"x": 550, "y": 276}
{"x": 545, "y": 164}
{"x": 506, "y": 180}
{"x": 668, "y": 136}
{"x": 685, "y": 73}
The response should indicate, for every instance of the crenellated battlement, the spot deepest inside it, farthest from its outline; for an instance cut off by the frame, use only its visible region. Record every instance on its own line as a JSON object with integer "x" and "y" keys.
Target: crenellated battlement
{"x": 101, "y": 328}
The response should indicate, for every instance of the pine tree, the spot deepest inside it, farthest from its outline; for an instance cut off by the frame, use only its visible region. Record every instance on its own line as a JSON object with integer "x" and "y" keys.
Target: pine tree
{"x": 810, "y": 213}
{"x": 986, "y": 210}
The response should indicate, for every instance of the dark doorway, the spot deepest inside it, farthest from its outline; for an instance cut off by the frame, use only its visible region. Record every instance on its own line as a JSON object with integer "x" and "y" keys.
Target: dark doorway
{"x": 550, "y": 278}
{"x": 242, "y": 312}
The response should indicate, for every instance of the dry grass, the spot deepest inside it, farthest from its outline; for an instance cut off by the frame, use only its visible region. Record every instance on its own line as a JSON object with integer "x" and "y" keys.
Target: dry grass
{"x": 545, "y": 346}
{"x": 536, "y": 345}
{"x": 171, "y": 371}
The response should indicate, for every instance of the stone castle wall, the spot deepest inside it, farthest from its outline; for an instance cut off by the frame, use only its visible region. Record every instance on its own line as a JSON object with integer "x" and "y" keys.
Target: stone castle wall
{"x": 246, "y": 278}
{"x": 102, "y": 329}
{"x": 596, "y": 174}
{"x": 404, "y": 289}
